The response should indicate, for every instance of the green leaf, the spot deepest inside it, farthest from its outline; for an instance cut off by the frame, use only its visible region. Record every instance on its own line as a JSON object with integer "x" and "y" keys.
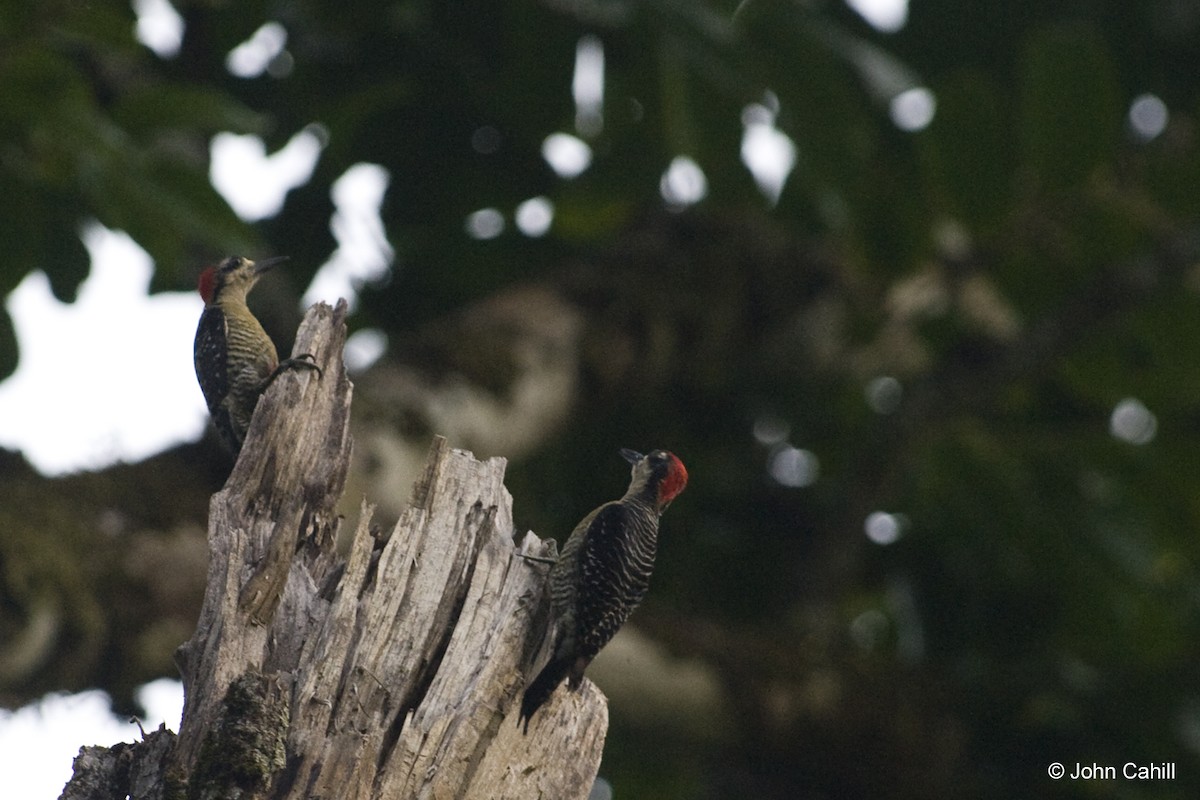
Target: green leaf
{"x": 62, "y": 254}
{"x": 8, "y": 345}
{"x": 1070, "y": 109}
{"x": 153, "y": 108}
{"x": 968, "y": 148}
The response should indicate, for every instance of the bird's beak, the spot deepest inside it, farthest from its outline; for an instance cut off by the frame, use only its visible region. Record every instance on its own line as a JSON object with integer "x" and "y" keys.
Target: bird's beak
{"x": 262, "y": 266}
{"x": 632, "y": 456}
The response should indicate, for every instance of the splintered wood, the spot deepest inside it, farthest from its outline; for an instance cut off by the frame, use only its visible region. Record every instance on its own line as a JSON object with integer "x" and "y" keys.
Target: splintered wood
{"x": 395, "y": 672}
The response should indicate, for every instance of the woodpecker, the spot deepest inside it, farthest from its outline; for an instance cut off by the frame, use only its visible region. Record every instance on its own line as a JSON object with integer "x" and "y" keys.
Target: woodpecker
{"x": 603, "y": 573}
{"x": 235, "y": 359}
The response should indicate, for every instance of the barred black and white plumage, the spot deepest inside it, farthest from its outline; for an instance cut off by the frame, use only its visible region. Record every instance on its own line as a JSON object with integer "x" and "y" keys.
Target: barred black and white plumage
{"x": 603, "y": 573}
{"x": 234, "y": 357}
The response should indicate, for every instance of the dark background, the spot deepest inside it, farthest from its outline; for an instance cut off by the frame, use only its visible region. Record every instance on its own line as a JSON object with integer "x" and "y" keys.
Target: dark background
{"x": 1018, "y": 269}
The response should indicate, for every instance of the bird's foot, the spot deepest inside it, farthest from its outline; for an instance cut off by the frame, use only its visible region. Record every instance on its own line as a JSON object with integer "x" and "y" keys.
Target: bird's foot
{"x": 299, "y": 362}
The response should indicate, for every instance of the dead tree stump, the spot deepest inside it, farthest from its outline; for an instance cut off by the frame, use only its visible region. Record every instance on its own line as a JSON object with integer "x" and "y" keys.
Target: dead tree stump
{"x": 395, "y": 672}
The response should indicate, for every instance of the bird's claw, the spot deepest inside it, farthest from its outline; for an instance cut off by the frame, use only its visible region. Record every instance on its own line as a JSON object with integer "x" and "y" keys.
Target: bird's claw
{"x": 293, "y": 363}
{"x": 299, "y": 361}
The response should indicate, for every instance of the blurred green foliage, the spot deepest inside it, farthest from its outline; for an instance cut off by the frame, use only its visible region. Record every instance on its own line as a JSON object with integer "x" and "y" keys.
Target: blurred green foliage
{"x": 1019, "y": 267}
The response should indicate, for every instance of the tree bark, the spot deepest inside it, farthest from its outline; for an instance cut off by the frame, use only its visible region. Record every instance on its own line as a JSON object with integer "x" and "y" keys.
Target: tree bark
{"x": 393, "y": 672}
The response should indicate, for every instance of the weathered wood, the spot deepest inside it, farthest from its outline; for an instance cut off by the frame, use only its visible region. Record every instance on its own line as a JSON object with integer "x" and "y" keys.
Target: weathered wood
{"x": 393, "y": 672}
{"x": 135, "y": 770}
{"x": 280, "y": 497}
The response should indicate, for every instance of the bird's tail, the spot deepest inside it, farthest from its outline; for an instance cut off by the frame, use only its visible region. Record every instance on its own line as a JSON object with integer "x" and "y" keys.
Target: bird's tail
{"x": 538, "y": 692}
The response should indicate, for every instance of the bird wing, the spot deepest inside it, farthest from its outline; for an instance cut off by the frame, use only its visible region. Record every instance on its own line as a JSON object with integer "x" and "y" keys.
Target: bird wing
{"x": 610, "y": 583}
{"x": 211, "y": 357}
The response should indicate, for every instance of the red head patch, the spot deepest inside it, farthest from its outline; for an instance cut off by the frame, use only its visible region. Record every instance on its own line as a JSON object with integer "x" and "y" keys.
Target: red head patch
{"x": 675, "y": 480}
{"x": 208, "y": 284}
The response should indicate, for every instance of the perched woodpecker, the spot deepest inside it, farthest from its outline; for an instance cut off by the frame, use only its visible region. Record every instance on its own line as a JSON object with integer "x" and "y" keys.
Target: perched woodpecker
{"x": 603, "y": 573}
{"x": 235, "y": 359}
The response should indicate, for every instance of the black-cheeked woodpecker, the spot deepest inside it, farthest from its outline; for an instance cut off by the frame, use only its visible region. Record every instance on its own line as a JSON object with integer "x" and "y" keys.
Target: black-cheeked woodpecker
{"x": 603, "y": 573}
{"x": 235, "y": 359}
